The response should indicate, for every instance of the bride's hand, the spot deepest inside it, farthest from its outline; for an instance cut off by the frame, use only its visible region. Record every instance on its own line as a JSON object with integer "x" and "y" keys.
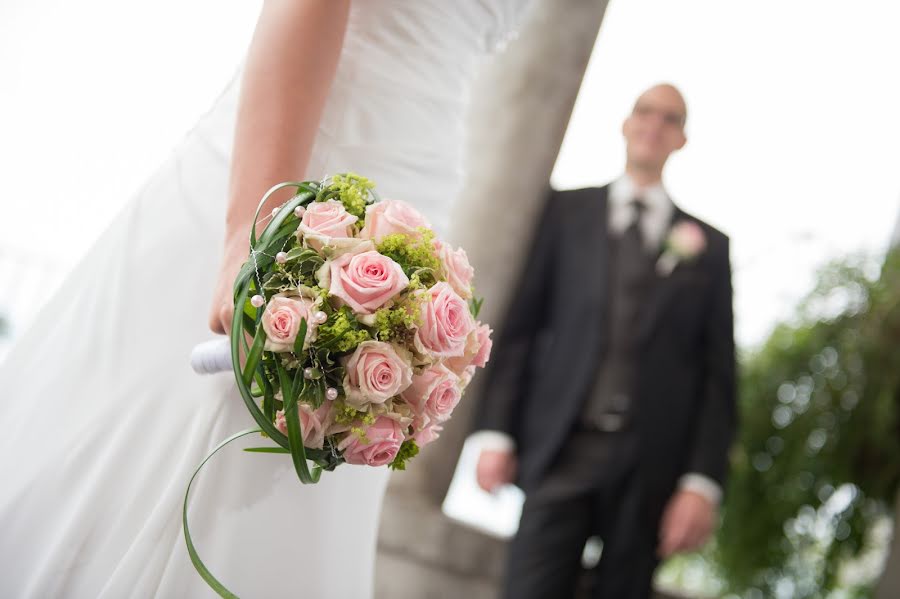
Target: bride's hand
{"x": 222, "y": 309}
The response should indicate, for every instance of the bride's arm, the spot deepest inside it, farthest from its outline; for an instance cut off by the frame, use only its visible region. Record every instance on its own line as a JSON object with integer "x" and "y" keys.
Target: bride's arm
{"x": 288, "y": 72}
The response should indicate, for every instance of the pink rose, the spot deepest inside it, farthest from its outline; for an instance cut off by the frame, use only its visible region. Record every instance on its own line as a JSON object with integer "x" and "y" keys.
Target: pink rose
{"x": 477, "y": 353}
{"x": 444, "y": 323}
{"x": 456, "y": 268}
{"x": 687, "y": 239}
{"x": 281, "y": 322}
{"x": 384, "y": 440}
{"x": 434, "y": 393}
{"x": 335, "y": 427}
{"x": 374, "y": 373}
{"x": 366, "y": 281}
{"x": 427, "y": 434}
{"x": 485, "y": 343}
{"x": 388, "y": 217}
{"x": 323, "y": 221}
{"x": 466, "y": 377}
{"x": 313, "y": 423}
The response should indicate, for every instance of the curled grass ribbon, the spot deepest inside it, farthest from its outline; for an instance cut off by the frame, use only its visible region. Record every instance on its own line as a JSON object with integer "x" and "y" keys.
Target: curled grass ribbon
{"x": 275, "y": 233}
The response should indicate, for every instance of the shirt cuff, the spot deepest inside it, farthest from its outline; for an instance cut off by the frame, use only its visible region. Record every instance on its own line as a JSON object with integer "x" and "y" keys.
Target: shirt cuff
{"x": 702, "y": 485}
{"x": 493, "y": 441}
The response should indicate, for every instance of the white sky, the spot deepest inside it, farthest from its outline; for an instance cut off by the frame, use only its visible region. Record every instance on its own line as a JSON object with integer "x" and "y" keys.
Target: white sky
{"x": 93, "y": 96}
{"x": 794, "y": 122}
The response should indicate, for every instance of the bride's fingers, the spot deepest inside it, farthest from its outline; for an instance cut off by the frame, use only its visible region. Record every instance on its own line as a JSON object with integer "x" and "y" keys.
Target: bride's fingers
{"x": 226, "y": 314}
{"x": 220, "y": 320}
{"x": 222, "y": 307}
{"x": 215, "y": 323}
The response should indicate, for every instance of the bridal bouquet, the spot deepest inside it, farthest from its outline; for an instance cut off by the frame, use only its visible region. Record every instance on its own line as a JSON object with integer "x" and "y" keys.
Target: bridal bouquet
{"x": 359, "y": 330}
{"x": 363, "y": 327}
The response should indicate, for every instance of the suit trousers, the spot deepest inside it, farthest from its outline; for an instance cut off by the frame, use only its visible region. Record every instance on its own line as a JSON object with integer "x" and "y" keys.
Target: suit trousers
{"x": 591, "y": 490}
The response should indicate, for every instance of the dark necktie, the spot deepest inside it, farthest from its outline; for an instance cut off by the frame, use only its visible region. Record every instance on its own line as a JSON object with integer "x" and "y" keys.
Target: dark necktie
{"x": 631, "y": 244}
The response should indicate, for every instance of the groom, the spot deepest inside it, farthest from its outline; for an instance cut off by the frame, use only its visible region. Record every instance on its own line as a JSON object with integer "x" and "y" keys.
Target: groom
{"x": 610, "y": 399}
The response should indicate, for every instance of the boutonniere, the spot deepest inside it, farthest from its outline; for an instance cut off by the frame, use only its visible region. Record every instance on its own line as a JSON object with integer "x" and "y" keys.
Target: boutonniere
{"x": 685, "y": 242}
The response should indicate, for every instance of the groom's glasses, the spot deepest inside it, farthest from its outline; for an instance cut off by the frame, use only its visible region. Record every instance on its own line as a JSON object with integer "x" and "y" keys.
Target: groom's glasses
{"x": 669, "y": 118}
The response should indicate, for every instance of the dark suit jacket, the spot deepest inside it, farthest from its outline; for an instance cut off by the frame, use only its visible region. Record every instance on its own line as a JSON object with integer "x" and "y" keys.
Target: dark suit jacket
{"x": 546, "y": 357}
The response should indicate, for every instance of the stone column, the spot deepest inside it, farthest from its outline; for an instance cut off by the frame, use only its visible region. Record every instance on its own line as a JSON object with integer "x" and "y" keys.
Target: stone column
{"x": 522, "y": 104}
{"x": 889, "y": 584}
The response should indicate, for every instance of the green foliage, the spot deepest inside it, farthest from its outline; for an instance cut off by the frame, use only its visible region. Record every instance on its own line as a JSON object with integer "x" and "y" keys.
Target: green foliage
{"x": 416, "y": 256}
{"x": 345, "y": 414}
{"x": 353, "y": 190}
{"x": 341, "y": 333}
{"x": 475, "y": 306}
{"x": 397, "y": 323}
{"x": 408, "y": 450}
{"x": 298, "y": 270}
{"x": 818, "y": 457}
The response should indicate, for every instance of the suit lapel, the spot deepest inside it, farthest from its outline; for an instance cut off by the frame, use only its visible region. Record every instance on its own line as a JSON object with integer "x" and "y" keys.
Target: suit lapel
{"x": 594, "y": 231}
{"x": 588, "y": 265}
{"x": 661, "y": 289}
{"x": 584, "y": 286}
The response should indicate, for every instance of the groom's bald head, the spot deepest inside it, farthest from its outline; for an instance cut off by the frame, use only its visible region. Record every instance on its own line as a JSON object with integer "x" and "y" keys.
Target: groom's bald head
{"x": 668, "y": 93}
{"x": 655, "y": 127}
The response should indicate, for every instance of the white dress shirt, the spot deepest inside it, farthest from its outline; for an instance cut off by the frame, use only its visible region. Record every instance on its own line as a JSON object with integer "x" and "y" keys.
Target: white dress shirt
{"x": 655, "y": 218}
{"x": 654, "y": 224}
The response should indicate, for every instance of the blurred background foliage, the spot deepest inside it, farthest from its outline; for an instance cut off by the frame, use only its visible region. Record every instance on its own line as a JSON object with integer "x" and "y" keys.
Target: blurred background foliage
{"x": 817, "y": 463}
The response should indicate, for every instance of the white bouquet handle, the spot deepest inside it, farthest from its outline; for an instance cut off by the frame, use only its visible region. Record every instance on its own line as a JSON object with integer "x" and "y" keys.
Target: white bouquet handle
{"x": 212, "y": 357}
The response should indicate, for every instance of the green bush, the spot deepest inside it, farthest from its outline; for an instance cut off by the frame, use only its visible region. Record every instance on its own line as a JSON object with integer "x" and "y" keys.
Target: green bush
{"x": 817, "y": 462}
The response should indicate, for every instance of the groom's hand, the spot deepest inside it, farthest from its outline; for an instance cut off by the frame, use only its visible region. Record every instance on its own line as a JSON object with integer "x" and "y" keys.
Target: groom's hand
{"x": 495, "y": 469}
{"x": 687, "y": 523}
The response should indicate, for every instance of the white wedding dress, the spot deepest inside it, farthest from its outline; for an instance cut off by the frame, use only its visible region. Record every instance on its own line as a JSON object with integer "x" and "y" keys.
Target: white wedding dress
{"x": 103, "y": 421}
